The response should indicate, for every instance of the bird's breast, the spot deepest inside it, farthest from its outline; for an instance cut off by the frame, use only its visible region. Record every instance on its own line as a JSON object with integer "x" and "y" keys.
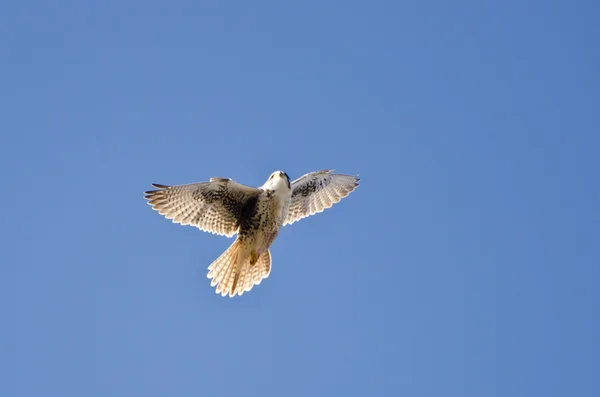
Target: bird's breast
{"x": 261, "y": 225}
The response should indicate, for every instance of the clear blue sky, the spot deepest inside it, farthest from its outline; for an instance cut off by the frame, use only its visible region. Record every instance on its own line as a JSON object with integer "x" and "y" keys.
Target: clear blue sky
{"x": 466, "y": 263}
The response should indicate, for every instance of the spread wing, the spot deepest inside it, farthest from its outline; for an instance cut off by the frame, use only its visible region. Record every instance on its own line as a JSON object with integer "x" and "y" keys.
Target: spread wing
{"x": 317, "y": 191}
{"x": 213, "y": 206}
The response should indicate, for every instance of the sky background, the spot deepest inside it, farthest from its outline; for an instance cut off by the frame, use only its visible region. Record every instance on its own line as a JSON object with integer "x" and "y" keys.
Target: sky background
{"x": 466, "y": 263}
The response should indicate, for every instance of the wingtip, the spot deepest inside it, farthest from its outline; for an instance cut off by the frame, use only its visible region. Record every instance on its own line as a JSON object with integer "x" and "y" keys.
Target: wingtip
{"x": 149, "y": 194}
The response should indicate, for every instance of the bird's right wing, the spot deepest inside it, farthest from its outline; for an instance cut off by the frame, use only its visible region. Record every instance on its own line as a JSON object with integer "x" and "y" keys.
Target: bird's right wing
{"x": 317, "y": 191}
{"x": 214, "y": 206}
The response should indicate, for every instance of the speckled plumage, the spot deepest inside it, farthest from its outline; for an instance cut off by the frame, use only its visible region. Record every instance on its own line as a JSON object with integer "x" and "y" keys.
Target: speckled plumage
{"x": 223, "y": 206}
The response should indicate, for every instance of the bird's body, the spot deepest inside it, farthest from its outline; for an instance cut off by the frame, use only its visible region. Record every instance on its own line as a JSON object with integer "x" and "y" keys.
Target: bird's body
{"x": 222, "y": 206}
{"x": 262, "y": 218}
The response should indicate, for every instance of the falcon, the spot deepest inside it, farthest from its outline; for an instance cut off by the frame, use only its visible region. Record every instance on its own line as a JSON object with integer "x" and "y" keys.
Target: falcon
{"x": 225, "y": 207}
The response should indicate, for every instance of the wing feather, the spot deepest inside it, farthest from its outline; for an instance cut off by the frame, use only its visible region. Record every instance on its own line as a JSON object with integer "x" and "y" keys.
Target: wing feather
{"x": 316, "y": 191}
{"x": 214, "y": 206}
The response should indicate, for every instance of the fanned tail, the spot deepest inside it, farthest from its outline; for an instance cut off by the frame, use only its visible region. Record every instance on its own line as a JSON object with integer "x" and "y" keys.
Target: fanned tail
{"x": 234, "y": 275}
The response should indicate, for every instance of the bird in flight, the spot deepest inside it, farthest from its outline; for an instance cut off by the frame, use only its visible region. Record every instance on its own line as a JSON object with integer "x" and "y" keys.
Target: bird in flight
{"x": 225, "y": 207}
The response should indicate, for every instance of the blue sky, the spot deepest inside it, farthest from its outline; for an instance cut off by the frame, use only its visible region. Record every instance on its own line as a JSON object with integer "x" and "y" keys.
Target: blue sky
{"x": 466, "y": 263}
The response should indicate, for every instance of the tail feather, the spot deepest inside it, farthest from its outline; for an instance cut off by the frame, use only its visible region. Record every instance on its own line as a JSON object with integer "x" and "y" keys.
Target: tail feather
{"x": 263, "y": 266}
{"x": 219, "y": 268}
{"x": 255, "y": 273}
{"x": 234, "y": 278}
{"x": 224, "y": 285}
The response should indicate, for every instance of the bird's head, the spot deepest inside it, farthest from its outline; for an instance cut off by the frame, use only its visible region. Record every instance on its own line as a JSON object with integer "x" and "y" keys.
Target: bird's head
{"x": 278, "y": 180}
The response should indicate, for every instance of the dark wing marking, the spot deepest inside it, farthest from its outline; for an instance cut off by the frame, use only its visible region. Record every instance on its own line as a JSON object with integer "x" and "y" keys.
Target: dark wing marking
{"x": 214, "y": 206}
{"x": 317, "y": 191}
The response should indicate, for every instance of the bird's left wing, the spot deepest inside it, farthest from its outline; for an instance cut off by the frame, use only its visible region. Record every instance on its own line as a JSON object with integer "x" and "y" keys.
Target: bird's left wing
{"x": 317, "y": 191}
{"x": 214, "y": 206}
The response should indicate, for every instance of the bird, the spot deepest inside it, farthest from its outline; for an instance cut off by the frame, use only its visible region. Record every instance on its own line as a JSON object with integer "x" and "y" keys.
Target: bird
{"x": 224, "y": 207}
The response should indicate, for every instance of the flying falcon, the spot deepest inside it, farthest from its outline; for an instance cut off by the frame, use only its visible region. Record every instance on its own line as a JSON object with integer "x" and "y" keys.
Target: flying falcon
{"x": 225, "y": 207}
